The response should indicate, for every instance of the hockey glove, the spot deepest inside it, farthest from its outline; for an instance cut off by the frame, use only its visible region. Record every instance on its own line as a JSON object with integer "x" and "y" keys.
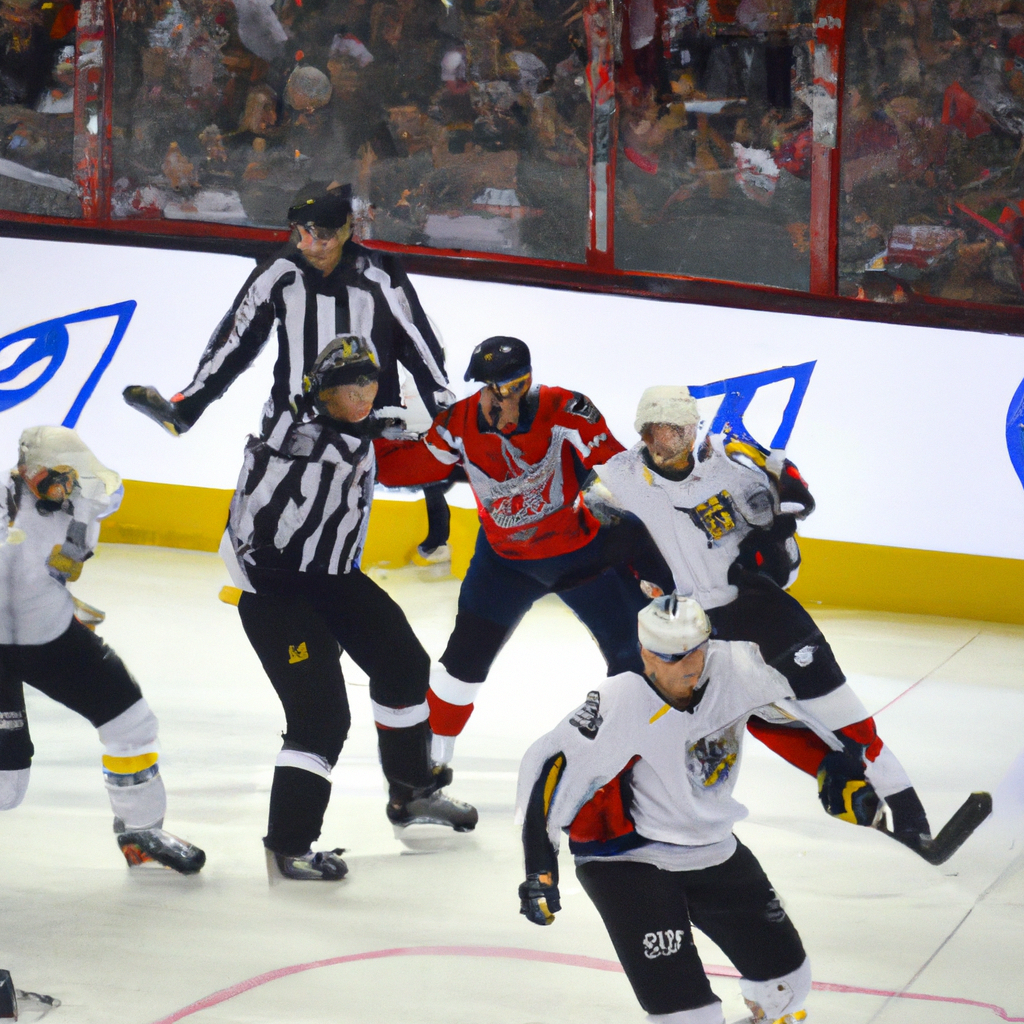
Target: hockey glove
{"x": 538, "y": 899}
{"x": 844, "y": 790}
{"x": 151, "y": 403}
{"x": 62, "y": 566}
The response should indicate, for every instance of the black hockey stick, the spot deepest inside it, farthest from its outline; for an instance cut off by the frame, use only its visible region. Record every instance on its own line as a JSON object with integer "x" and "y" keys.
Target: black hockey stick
{"x": 971, "y": 813}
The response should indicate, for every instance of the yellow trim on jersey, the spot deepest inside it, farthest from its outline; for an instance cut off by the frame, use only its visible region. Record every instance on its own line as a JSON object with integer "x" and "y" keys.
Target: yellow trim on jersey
{"x": 742, "y": 448}
{"x": 554, "y": 773}
{"x": 129, "y": 765}
{"x": 659, "y": 713}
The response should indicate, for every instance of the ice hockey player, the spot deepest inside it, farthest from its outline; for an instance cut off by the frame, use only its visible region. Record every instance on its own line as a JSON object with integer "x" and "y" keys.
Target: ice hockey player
{"x": 525, "y": 450}
{"x": 724, "y": 518}
{"x": 54, "y": 501}
{"x": 641, "y": 776}
{"x": 297, "y": 524}
{"x": 320, "y": 285}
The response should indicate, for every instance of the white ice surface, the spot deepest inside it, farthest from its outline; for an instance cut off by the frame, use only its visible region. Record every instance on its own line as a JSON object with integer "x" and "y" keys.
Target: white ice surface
{"x": 139, "y": 947}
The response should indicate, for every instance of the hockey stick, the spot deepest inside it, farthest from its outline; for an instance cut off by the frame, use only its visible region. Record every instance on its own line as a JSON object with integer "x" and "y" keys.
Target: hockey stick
{"x": 935, "y": 850}
{"x": 968, "y": 816}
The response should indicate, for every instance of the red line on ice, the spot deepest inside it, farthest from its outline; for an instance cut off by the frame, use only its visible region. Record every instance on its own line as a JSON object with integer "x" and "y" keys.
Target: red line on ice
{"x": 512, "y": 953}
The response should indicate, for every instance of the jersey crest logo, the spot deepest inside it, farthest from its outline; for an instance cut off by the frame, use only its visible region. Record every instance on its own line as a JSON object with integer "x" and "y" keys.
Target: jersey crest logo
{"x": 297, "y": 654}
{"x": 588, "y": 719}
{"x": 715, "y": 517}
{"x": 710, "y": 760}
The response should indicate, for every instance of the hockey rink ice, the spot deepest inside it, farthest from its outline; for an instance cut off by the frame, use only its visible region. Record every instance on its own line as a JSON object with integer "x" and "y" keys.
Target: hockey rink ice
{"x": 435, "y": 937}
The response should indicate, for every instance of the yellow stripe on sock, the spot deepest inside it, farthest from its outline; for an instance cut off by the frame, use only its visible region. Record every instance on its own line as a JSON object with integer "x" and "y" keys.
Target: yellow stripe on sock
{"x": 129, "y": 765}
{"x": 659, "y": 713}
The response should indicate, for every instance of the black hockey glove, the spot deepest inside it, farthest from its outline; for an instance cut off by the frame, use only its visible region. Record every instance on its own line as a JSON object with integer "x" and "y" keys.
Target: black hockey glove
{"x": 844, "y": 790}
{"x": 538, "y": 899}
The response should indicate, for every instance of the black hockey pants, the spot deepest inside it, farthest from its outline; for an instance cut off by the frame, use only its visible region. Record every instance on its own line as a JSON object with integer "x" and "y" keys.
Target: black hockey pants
{"x": 648, "y": 913}
{"x": 298, "y": 624}
{"x": 787, "y": 636}
{"x": 77, "y": 669}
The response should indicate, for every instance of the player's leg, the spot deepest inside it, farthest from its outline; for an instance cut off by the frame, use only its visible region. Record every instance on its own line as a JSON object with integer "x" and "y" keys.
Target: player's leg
{"x": 434, "y": 548}
{"x": 735, "y": 905}
{"x": 608, "y": 607}
{"x": 302, "y": 660}
{"x": 493, "y": 599}
{"x": 645, "y": 912}
{"x": 15, "y": 742}
{"x": 81, "y": 672}
{"x": 375, "y": 633}
{"x": 791, "y": 643}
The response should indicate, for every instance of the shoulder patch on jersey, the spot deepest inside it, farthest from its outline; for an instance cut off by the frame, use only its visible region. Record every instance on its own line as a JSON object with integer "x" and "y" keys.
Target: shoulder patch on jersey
{"x": 580, "y": 405}
{"x": 588, "y": 719}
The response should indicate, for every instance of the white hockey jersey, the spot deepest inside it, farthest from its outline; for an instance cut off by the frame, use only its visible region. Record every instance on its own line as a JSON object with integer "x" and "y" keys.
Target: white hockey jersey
{"x": 35, "y": 605}
{"x": 698, "y": 523}
{"x": 686, "y": 762}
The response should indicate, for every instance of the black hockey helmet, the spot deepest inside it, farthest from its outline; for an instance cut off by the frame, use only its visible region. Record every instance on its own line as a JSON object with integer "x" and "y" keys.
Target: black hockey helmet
{"x": 320, "y": 205}
{"x": 499, "y": 360}
{"x": 348, "y": 359}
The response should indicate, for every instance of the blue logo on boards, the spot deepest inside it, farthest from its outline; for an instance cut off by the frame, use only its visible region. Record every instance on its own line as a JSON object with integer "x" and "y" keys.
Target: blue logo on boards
{"x": 1015, "y": 431}
{"x": 739, "y": 392}
{"x": 49, "y": 341}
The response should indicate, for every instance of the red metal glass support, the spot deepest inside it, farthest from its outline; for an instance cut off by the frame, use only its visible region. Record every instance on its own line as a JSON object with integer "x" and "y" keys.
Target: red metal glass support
{"x": 827, "y": 94}
{"x": 88, "y": 109}
{"x": 598, "y": 18}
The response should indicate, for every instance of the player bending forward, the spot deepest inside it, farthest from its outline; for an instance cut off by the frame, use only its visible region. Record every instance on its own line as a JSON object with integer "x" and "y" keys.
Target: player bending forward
{"x": 297, "y": 525}
{"x": 641, "y": 777}
{"x": 55, "y": 499}
{"x": 724, "y": 518}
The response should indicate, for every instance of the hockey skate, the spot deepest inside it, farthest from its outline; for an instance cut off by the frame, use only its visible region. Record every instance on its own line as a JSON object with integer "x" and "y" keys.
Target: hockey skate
{"x": 154, "y": 846}
{"x": 151, "y": 403}
{"x": 431, "y": 811}
{"x": 322, "y": 866}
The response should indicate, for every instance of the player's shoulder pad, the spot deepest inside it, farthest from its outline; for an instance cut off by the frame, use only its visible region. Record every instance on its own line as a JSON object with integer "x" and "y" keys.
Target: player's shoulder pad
{"x": 579, "y": 405}
{"x": 587, "y": 719}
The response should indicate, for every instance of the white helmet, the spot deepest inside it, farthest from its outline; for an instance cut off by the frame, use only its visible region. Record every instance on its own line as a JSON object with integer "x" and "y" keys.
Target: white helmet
{"x": 43, "y": 450}
{"x": 673, "y": 625}
{"x": 667, "y": 403}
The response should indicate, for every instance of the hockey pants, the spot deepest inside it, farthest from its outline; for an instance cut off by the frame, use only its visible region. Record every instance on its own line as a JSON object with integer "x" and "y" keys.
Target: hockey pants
{"x": 78, "y": 670}
{"x": 497, "y": 592}
{"x": 648, "y": 913}
{"x": 298, "y": 625}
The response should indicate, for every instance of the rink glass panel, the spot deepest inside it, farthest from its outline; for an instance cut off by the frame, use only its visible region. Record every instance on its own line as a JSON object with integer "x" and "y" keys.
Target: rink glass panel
{"x": 714, "y": 140}
{"x": 37, "y": 72}
{"x": 465, "y": 127}
{"x": 932, "y": 199}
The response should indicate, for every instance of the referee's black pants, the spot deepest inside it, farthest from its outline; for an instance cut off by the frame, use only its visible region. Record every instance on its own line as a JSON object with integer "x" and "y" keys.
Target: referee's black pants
{"x": 648, "y": 913}
{"x": 298, "y": 624}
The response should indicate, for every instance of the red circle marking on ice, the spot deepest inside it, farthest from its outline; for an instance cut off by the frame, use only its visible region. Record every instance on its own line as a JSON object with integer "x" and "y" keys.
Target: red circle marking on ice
{"x": 512, "y": 953}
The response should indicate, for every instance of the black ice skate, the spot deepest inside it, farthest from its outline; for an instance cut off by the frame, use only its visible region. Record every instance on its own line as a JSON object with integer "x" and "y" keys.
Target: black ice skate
{"x": 151, "y": 403}
{"x": 322, "y": 866}
{"x": 429, "y": 806}
{"x": 155, "y": 846}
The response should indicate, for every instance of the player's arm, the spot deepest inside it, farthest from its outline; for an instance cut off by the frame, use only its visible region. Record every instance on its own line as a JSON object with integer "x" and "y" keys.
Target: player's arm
{"x": 538, "y": 895}
{"x": 412, "y": 463}
{"x": 600, "y": 499}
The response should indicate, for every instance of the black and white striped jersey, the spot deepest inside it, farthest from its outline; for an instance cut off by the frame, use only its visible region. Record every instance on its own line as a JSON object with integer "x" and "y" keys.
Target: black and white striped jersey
{"x": 368, "y": 294}
{"x": 304, "y": 506}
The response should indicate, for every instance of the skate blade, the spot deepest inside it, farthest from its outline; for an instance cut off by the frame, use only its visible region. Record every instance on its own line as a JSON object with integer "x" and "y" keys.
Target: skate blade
{"x": 32, "y": 1006}
{"x": 427, "y": 836}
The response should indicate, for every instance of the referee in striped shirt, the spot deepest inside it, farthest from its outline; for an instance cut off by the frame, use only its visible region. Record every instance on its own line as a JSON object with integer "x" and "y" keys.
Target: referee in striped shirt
{"x": 297, "y": 525}
{"x": 320, "y": 285}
